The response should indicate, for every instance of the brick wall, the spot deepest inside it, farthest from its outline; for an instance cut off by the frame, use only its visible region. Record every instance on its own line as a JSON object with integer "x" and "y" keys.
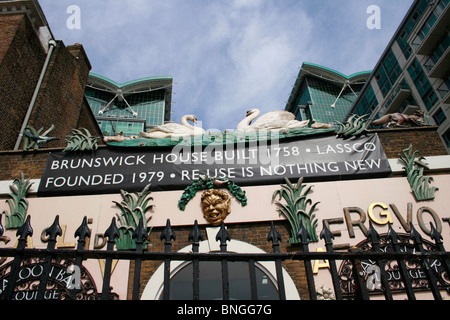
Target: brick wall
{"x": 424, "y": 139}
{"x": 31, "y": 163}
{"x": 21, "y": 61}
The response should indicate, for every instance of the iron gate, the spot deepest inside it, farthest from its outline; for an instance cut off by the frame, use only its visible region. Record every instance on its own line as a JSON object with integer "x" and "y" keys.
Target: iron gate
{"x": 434, "y": 280}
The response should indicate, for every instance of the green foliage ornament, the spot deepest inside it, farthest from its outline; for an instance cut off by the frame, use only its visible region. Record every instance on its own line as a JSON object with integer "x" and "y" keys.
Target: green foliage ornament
{"x": 295, "y": 209}
{"x": 420, "y": 185}
{"x": 18, "y": 205}
{"x": 353, "y": 126}
{"x": 133, "y": 208}
{"x": 81, "y": 140}
{"x": 209, "y": 183}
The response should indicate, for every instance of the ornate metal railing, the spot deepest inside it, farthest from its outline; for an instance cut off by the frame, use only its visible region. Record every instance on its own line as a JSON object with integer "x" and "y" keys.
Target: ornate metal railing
{"x": 360, "y": 282}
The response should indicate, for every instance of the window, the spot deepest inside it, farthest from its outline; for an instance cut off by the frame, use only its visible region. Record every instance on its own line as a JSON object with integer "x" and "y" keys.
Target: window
{"x": 446, "y": 137}
{"x": 368, "y": 102}
{"x": 324, "y": 94}
{"x": 427, "y": 27}
{"x": 402, "y": 40}
{"x": 439, "y": 117}
{"x": 422, "y": 84}
{"x": 444, "y": 88}
{"x": 210, "y": 272}
{"x": 388, "y": 73}
{"x": 301, "y": 100}
{"x": 443, "y": 45}
{"x": 211, "y": 282}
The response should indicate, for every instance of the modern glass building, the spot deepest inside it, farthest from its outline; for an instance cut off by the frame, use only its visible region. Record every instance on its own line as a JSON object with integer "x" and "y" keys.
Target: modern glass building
{"x": 323, "y": 94}
{"x": 413, "y": 72}
{"x": 130, "y": 107}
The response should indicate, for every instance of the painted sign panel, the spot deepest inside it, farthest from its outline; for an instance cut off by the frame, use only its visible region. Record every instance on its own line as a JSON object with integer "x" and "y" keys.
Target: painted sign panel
{"x": 108, "y": 170}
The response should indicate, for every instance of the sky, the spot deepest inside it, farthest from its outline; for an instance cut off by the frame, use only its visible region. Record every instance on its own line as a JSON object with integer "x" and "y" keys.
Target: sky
{"x": 225, "y": 56}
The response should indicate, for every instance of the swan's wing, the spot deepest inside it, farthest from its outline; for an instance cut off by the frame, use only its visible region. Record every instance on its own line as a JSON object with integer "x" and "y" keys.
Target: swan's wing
{"x": 295, "y": 124}
{"x": 170, "y": 127}
{"x": 273, "y": 119}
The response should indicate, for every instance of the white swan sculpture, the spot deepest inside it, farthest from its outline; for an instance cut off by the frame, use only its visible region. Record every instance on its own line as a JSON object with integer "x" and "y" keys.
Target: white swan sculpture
{"x": 176, "y": 130}
{"x": 274, "y": 120}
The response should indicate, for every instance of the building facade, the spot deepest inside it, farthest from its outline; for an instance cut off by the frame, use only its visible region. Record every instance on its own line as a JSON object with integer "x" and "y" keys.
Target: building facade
{"x": 413, "y": 72}
{"x": 323, "y": 94}
{"x": 131, "y": 107}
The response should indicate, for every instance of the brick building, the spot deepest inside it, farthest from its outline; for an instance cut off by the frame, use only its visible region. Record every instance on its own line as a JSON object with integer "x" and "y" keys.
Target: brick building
{"x": 42, "y": 80}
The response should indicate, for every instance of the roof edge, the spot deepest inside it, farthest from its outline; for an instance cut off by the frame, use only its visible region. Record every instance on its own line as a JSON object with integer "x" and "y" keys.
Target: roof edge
{"x": 348, "y": 77}
{"x": 125, "y": 84}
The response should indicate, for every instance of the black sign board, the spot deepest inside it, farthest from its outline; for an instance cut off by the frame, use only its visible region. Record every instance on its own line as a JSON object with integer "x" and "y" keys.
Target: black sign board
{"x": 107, "y": 170}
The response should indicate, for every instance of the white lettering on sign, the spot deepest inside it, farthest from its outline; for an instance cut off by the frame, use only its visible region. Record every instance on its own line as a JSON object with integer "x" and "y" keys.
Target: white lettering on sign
{"x": 346, "y": 148}
{"x": 90, "y": 180}
{"x": 97, "y": 162}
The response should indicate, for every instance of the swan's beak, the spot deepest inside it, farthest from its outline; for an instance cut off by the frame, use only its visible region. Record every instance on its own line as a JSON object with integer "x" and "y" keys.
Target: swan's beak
{"x": 195, "y": 120}
{"x": 249, "y": 112}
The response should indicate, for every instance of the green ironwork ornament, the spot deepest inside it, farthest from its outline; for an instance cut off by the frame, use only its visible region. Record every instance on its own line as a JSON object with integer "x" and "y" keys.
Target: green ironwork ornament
{"x": 18, "y": 204}
{"x": 33, "y": 139}
{"x": 420, "y": 185}
{"x": 134, "y": 208}
{"x": 297, "y": 209}
{"x": 354, "y": 126}
{"x": 81, "y": 140}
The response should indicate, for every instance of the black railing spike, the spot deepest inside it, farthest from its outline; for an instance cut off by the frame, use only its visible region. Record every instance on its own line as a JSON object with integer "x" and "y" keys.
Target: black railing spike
{"x": 304, "y": 238}
{"x": 54, "y": 230}
{"x": 140, "y": 233}
{"x": 432, "y": 281}
{"x": 414, "y": 235}
{"x": 167, "y": 234}
{"x": 303, "y": 234}
{"x": 195, "y": 235}
{"x": 392, "y": 235}
{"x": 372, "y": 234}
{"x": 25, "y": 230}
{"x": 275, "y": 238}
{"x": 2, "y": 230}
{"x": 83, "y": 231}
{"x": 326, "y": 234}
{"x": 435, "y": 235}
{"x": 112, "y": 232}
{"x": 223, "y": 236}
{"x": 273, "y": 235}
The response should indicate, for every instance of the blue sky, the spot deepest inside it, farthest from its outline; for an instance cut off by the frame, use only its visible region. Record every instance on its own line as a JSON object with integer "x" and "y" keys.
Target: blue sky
{"x": 225, "y": 56}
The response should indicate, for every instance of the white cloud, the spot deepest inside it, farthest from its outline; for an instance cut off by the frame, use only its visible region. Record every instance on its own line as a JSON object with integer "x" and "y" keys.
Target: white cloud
{"x": 225, "y": 56}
